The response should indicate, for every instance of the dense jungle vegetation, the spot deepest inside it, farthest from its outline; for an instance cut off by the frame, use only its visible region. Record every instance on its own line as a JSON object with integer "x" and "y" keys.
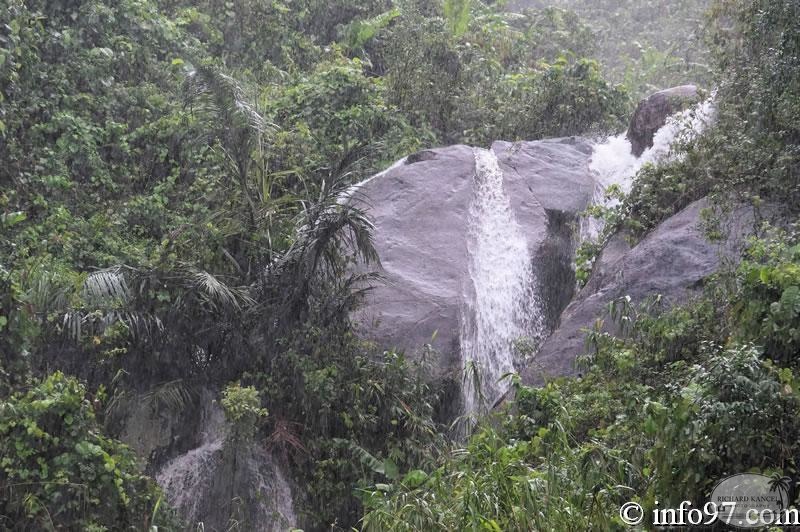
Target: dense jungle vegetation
{"x": 170, "y": 222}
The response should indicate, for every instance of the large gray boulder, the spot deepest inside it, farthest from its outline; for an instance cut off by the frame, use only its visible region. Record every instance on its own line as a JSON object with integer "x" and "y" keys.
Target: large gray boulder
{"x": 421, "y": 213}
{"x": 672, "y": 261}
{"x": 653, "y": 111}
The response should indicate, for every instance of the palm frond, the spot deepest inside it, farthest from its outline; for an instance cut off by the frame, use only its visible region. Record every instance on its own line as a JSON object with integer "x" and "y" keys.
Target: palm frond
{"x": 105, "y": 287}
{"x": 333, "y": 226}
{"x": 48, "y": 291}
{"x": 73, "y": 325}
{"x": 286, "y": 434}
{"x": 174, "y": 395}
{"x": 221, "y": 95}
{"x": 217, "y": 294}
{"x": 142, "y": 325}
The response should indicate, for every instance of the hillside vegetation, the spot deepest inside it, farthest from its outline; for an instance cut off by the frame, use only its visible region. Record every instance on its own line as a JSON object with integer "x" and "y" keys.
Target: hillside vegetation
{"x": 646, "y": 45}
{"x": 171, "y": 175}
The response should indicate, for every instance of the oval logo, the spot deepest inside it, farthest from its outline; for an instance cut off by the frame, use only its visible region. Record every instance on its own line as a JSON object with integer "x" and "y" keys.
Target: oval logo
{"x": 749, "y": 500}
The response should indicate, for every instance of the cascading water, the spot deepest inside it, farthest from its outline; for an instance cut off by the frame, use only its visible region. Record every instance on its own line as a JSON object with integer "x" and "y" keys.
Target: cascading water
{"x": 500, "y": 304}
{"x": 352, "y": 190}
{"x": 184, "y": 477}
{"x": 613, "y": 163}
{"x": 197, "y": 484}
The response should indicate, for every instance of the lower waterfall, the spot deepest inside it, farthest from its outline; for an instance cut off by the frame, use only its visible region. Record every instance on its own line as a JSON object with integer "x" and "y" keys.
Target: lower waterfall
{"x": 204, "y": 488}
{"x": 500, "y": 304}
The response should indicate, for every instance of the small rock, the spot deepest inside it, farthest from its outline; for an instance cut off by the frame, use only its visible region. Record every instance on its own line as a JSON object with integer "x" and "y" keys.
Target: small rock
{"x": 653, "y": 111}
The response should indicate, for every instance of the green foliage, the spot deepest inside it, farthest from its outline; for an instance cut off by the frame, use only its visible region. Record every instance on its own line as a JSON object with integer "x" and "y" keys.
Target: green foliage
{"x": 58, "y": 470}
{"x": 751, "y": 153}
{"x": 558, "y": 99}
{"x": 334, "y": 119}
{"x": 768, "y": 306}
{"x": 364, "y": 419}
{"x": 609, "y": 215}
{"x": 647, "y": 46}
{"x": 477, "y": 74}
{"x": 650, "y": 419}
{"x": 654, "y": 68}
{"x": 327, "y": 21}
{"x": 172, "y": 215}
{"x": 358, "y": 32}
{"x": 457, "y": 15}
{"x": 243, "y": 410}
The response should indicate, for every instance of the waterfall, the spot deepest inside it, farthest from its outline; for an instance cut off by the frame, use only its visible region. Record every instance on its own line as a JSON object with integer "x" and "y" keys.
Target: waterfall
{"x": 198, "y": 483}
{"x": 500, "y": 304}
{"x": 353, "y": 189}
{"x": 613, "y": 163}
{"x": 185, "y": 476}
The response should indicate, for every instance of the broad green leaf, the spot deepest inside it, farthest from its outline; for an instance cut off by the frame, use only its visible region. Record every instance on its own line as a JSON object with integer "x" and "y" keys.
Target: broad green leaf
{"x": 12, "y": 218}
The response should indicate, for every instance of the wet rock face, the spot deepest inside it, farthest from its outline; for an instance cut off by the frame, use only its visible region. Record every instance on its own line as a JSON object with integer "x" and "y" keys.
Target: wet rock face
{"x": 652, "y": 113}
{"x": 421, "y": 214}
{"x": 219, "y": 486}
{"x": 672, "y": 261}
{"x": 157, "y": 432}
{"x": 221, "y": 482}
{"x": 419, "y": 210}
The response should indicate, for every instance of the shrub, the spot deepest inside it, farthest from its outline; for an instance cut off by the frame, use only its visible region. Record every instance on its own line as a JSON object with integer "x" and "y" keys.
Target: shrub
{"x": 57, "y": 467}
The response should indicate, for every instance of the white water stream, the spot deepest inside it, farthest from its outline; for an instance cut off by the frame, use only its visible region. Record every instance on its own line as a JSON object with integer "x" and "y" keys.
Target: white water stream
{"x": 613, "y": 163}
{"x": 500, "y": 306}
{"x": 191, "y": 481}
